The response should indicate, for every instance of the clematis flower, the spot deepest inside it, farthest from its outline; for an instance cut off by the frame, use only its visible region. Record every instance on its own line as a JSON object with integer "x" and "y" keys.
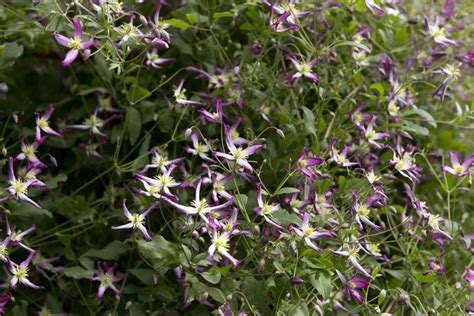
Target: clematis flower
{"x": 458, "y": 169}
{"x": 160, "y": 161}
{"x": 358, "y": 117}
{"x": 469, "y": 278}
{"x": 4, "y": 298}
{"x": 309, "y": 234}
{"x": 340, "y": 158}
{"x": 289, "y": 10}
{"x": 129, "y": 32}
{"x": 199, "y": 206}
{"x": 372, "y": 136}
{"x": 353, "y": 285}
{"x": 180, "y": 97}
{"x": 162, "y": 182}
{"x": 404, "y": 163}
{"x": 451, "y": 73}
{"x": 435, "y": 267}
{"x": 93, "y": 123}
{"x": 362, "y": 210}
{"x": 154, "y": 60}
{"x": 18, "y": 188}
{"x": 265, "y": 209}
{"x": 159, "y": 27}
{"x": 304, "y": 164}
{"x": 28, "y": 152}
{"x": 76, "y": 43}
{"x": 238, "y": 154}
{"x": 136, "y": 220}
{"x": 42, "y": 124}
{"x": 438, "y": 34}
{"x": 20, "y": 273}
{"x": 374, "y": 8}
{"x": 214, "y": 117}
{"x": 220, "y": 243}
{"x": 352, "y": 253}
{"x": 4, "y": 249}
{"x": 15, "y": 237}
{"x": 199, "y": 149}
{"x": 105, "y": 275}
{"x": 304, "y": 69}
{"x": 218, "y": 181}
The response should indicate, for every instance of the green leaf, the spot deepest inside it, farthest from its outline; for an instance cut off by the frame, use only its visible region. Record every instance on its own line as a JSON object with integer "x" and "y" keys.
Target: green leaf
{"x": 425, "y": 278}
{"x": 144, "y": 275}
{"x": 309, "y": 120}
{"x": 219, "y": 15}
{"x": 163, "y": 254}
{"x": 78, "y": 272}
{"x": 9, "y": 52}
{"x": 134, "y": 124}
{"x": 111, "y": 252}
{"x": 287, "y": 190}
{"x": 422, "y": 113}
{"x": 191, "y": 18}
{"x": 415, "y": 128}
{"x": 27, "y": 210}
{"x": 322, "y": 284}
{"x": 53, "y": 182}
{"x": 179, "y": 24}
{"x": 212, "y": 276}
{"x": 379, "y": 87}
{"x": 382, "y": 296}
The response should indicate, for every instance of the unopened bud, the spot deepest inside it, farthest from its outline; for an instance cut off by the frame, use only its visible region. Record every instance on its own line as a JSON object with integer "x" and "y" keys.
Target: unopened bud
{"x": 280, "y": 133}
{"x": 188, "y": 132}
{"x": 15, "y": 118}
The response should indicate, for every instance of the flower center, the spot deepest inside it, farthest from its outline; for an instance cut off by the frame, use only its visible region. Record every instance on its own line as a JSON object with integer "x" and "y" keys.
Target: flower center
{"x": 302, "y": 163}
{"x": 106, "y": 279}
{"x": 201, "y": 149}
{"x": 3, "y": 252}
{"x": 363, "y": 210}
{"x": 221, "y": 241}
{"x": 75, "y": 43}
{"x": 341, "y": 159}
{"x": 374, "y": 249}
{"x": 308, "y": 231}
{"x": 29, "y": 151}
{"x": 219, "y": 187}
{"x": 136, "y": 220}
{"x": 42, "y": 123}
{"x": 200, "y": 205}
{"x": 238, "y": 153}
{"x": 20, "y": 273}
{"x": 19, "y": 187}
{"x": 305, "y": 68}
{"x": 458, "y": 169}
{"x": 437, "y": 32}
{"x": 166, "y": 180}
{"x": 267, "y": 209}
{"x": 370, "y": 134}
{"x": 93, "y": 122}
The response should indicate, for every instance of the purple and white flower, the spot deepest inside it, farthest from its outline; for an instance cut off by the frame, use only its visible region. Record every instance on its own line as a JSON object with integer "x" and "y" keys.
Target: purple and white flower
{"x": 75, "y": 44}
{"x": 309, "y": 233}
{"x": 136, "y": 220}
{"x": 105, "y": 274}
{"x": 458, "y": 169}
{"x": 42, "y": 124}
{"x": 238, "y": 154}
